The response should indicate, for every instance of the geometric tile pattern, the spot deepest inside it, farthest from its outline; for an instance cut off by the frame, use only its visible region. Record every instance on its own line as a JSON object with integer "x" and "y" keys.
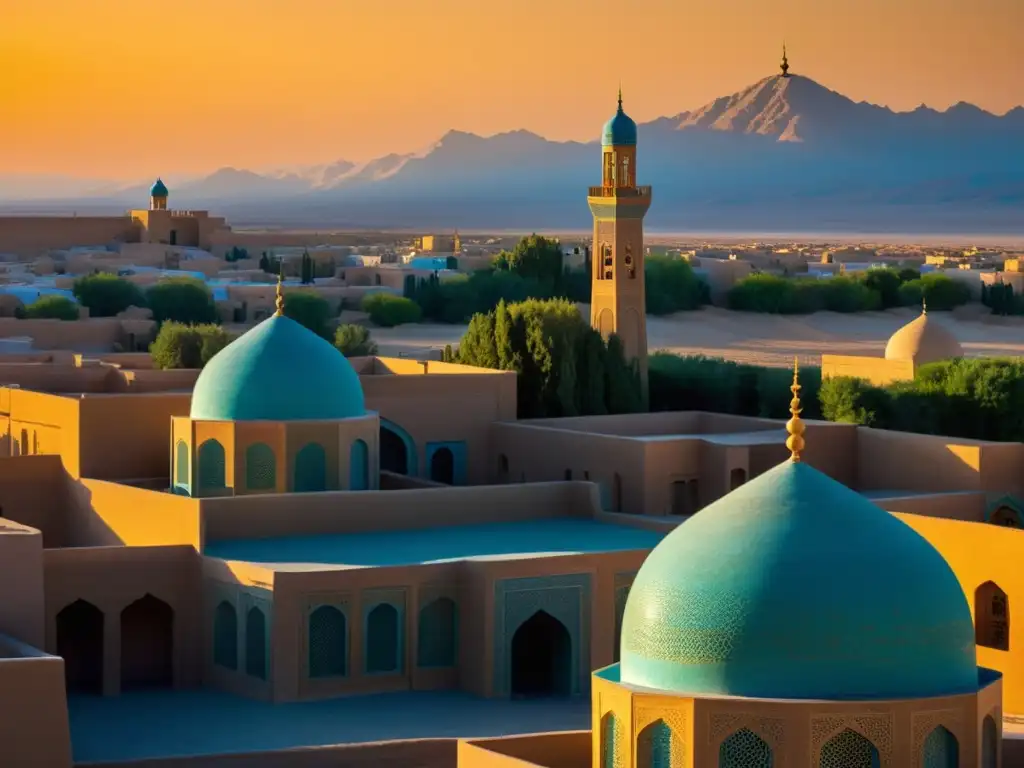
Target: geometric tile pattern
{"x": 611, "y": 738}
{"x": 848, "y": 749}
{"x": 328, "y": 642}
{"x": 744, "y": 749}
{"x": 673, "y": 723}
{"x": 941, "y": 750}
{"x": 564, "y": 597}
{"x": 876, "y": 729}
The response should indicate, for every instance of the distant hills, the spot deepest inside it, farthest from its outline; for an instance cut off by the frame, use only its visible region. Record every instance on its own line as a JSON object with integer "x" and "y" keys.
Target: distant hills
{"x": 784, "y": 154}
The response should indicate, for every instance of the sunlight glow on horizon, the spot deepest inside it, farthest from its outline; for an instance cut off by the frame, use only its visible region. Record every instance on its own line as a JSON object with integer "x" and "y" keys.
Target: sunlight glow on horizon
{"x": 134, "y": 90}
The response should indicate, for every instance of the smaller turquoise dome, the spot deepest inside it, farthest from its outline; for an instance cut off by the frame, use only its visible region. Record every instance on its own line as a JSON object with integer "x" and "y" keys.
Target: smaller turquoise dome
{"x": 620, "y": 131}
{"x": 159, "y": 189}
{"x": 278, "y": 371}
{"x": 793, "y": 586}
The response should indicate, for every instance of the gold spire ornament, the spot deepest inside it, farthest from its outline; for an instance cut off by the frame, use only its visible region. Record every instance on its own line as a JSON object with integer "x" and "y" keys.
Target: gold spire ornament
{"x": 795, "y": 425}
{"x": 279, "y": 300}
{"x": 785, "y": 62}
{"x": 924, "y": 305}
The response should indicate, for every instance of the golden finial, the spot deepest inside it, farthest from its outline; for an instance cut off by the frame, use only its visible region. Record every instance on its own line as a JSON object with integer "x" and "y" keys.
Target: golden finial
{"x": 795, "y": 425}
{"x": 785, "y": 62}
{"x": 924, "y": 304}
{"x": 279, "y": 301}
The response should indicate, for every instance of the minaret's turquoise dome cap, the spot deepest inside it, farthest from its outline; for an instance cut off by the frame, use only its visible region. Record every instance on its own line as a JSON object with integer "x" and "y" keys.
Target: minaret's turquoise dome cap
{"x": 796, "y": 587}
{"x": 278, "y": 371}
{"x": 620, "y": 131}
{"x": 159, "y": 189}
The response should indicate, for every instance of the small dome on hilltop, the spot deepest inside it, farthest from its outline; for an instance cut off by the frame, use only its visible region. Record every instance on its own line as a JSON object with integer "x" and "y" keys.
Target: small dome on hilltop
{"x": 159, "y": 189}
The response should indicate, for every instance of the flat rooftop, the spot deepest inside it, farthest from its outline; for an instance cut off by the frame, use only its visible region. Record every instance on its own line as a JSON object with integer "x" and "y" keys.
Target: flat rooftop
{"x": 887, "y": 494}
{"x": 493, "y": 541}
{"x": 135, "y": 726}
{"x": 759, "y": 437}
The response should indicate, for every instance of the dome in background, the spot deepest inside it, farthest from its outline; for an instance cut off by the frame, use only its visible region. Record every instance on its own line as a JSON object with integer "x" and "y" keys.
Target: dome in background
{"x": 793, "y": 586}
{"x": 620, "y": 131}
{"x": 159, "y": 189}
{"x": 923, "y": 340}
{"x": 278, "y": 371}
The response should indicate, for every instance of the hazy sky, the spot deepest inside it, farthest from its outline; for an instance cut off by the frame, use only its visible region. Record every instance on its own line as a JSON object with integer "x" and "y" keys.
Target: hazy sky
{"x": 119, "y": 89}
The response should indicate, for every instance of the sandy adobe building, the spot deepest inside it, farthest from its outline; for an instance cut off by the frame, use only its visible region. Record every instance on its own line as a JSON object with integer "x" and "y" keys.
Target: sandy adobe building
{"x": 295, "y": 560}
{"x": 921, "y": 341}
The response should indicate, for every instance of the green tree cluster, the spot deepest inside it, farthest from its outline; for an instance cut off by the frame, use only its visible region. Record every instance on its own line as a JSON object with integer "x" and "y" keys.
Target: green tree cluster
{"x": 106, "y": 295}
{"x": 870, "y": 290}
{"x": 529, "y": 272}
{"x": 179, "y": 345}
{"x": 311, "y": 310}
{"x": 980, "y": 399}
{"x": 388, "y": 310}
{"x": 354, "y": 340}
{"x": 182, "y": 299}
{"x": 698, "y": 383}
{"x": 307, "y": 269}
{"x": 51, "y": 308}
{"x": 1001, "y": 299}
{"x": 270, "y": 264}
{"x": 564, "y": 367}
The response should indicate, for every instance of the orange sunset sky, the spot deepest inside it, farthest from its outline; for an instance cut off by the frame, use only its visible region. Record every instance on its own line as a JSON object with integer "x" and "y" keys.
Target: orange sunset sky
{"x": 118, "y": 89}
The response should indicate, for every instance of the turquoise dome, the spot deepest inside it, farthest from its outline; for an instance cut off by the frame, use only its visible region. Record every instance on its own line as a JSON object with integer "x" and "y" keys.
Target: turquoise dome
{"x": 793, "y": 586}
{"x": 159, "y": 189}
{"x": 278, "y": 371}
{"x": 620, "y": 131}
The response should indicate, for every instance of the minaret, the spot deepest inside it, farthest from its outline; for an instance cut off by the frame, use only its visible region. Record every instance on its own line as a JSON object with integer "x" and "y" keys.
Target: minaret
{"x": 158, "y": 196}
{"x": 785, "y": 62}
{"x": 618, "y": 296}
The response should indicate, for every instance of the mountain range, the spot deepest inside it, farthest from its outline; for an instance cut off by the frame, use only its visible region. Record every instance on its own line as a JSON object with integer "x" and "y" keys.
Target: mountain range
{"x": 784, "y": 154}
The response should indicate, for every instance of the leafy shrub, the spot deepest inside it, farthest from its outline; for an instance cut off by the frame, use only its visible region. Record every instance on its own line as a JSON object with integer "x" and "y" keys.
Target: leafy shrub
{"x": 178, "y": 345}
{"x": 106, "y": 295}
{"x": 51, "y": 307}
{"x": 388, "y": 310}
{"x": 310, "y": 310}
{"x": 354, "y": 340}
{"x": 183, "y": 300}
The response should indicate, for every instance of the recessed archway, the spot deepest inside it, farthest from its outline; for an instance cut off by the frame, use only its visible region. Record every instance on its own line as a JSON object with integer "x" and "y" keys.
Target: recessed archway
{"x": 541, "y": 663}
{"x": 394, "y": 455}
{"x": 80, "y": 644}
{"x": 147, "y": 644}
{"x": 442, "y": 466}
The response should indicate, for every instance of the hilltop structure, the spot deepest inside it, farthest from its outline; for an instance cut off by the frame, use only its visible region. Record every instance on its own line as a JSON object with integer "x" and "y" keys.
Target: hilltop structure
{"x": 382, "y": 544}
{"x": 159, "y": 224}
{"x": 618, "y": 296}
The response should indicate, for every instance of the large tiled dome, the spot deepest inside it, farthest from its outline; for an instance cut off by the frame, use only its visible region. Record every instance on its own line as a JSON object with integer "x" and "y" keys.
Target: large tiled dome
{"x": 796, "y": 587}
{"x": 278, "y": 371}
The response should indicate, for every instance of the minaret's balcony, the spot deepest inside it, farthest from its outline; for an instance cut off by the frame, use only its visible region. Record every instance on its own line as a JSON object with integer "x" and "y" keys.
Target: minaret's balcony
{"x": 620, "y": 192}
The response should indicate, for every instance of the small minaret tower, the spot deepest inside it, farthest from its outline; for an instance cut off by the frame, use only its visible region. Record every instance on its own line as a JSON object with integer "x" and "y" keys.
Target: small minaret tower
{"x": 618, "y": 300}
{"x": 784, "y": 66}
{"x": 158, "y": 196}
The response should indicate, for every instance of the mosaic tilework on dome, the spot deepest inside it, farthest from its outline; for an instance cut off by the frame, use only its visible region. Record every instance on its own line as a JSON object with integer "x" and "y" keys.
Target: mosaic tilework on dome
{"x": 785, "y": 589}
